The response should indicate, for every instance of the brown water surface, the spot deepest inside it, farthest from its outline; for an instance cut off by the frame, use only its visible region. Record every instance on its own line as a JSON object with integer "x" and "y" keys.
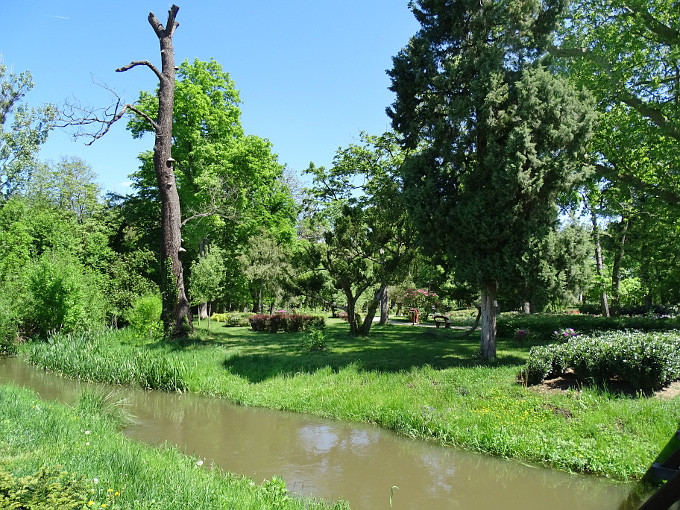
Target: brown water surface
{"x": 335, "y": 459}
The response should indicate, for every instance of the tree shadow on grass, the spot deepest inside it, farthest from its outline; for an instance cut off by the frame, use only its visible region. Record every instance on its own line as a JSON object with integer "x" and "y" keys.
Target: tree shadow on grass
{"x": 386, "y": 350}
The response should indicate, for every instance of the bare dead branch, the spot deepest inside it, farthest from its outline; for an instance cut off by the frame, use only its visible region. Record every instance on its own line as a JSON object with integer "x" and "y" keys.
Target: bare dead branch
{"x": 170, "y": 26}
{"x": 136, "y": 63}
{"x": 76, "y": 115}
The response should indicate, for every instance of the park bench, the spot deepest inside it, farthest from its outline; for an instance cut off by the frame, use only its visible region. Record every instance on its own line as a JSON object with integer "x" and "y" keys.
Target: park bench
{"x": 442, "y": 320}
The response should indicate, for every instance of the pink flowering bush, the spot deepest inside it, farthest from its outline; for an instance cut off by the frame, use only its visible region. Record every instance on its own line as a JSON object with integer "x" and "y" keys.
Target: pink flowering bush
{"x": 422, "y": 299}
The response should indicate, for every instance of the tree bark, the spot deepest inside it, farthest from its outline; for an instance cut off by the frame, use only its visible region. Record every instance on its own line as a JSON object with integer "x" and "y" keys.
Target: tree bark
{"x": 599, "y": 266}
{"x": 365, "y": 328}
{"x": 488, "y": 335}
{"x": 616, "y": 269}
{"x": 384, "y": 305}
{"x": 176, "y": 311}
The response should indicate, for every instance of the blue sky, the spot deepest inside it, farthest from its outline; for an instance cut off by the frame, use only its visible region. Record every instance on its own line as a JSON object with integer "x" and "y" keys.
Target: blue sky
{"x": 311, "y": 73}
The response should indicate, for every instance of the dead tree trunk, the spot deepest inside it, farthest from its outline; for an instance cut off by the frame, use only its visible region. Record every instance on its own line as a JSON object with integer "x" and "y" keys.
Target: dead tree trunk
{"x": 176, "y": 313}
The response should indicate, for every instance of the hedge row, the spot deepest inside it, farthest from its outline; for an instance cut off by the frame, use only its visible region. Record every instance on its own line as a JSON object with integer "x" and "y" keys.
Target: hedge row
{"x": 287, "y": 322}
{"x": 233, "y": 319}
{"x": 542, "y": 326}
{"x": 647, "y": 361}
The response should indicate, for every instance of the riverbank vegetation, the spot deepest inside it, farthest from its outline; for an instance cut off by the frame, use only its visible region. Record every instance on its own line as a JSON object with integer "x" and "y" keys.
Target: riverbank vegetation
{"x": 544, "y": 184}
{"x": 54, "y": 456}
{"x": 421, "y": 382}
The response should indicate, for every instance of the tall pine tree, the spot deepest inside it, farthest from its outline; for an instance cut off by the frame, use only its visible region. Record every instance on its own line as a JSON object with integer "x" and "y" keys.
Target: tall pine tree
{"x": 494, "y": 137}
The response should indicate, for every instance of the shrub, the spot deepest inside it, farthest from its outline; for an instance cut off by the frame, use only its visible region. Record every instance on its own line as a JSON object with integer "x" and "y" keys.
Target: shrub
{"x": 63, "y": 296}
{"x": 233, "y": 319}
{"x": 145, "y": 315}
{"x": 543, "y": 326}
{"x": 315, "y": 340}
{"x": 288, "y": 322}
{"x": 647, "y": 361}
{"x": 47, "y": 489}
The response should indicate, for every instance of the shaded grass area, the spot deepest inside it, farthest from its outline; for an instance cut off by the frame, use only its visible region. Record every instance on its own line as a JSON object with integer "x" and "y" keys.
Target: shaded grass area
{"x": 109, "y": 470}
{"x": 421, "y": 382}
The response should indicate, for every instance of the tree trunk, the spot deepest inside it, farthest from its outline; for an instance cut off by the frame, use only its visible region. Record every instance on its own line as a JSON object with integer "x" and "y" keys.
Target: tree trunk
{"x": 176, "y": 312}
{"x": 384, "y": 305}
{"x": 526, "y": 307}
{"x": 202, "y": 311}
{"x": 351, "y": 314}
{"x": 599, "y": 266}
{"x": 616, "y": 269}
{"x": 488, "y": 336}
{"x": 372, "y": 307}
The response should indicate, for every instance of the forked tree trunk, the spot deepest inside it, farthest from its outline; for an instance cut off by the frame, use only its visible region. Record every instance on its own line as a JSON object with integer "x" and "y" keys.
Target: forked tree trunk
{"x": 176, "y": 313}
{"x": 488, "y": 335}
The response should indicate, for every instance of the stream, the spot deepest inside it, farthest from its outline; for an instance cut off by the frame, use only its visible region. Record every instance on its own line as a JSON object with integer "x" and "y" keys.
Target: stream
{"x": 334, "y": 459}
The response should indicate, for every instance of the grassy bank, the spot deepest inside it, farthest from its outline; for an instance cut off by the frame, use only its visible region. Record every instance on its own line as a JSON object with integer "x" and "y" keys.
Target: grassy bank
{"x": 74, "y": 458}
{"x": 420, "y": 382}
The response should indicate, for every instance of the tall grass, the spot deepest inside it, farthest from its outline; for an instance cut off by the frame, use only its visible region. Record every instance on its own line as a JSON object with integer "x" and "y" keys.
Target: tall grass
{"x": 94, "y": 357}
{"x": 422, "y": 383}
{"x": 106, "y": 470}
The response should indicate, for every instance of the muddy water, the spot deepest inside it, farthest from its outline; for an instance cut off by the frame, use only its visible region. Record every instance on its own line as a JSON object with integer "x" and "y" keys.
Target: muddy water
{"x": 333, "y": 459}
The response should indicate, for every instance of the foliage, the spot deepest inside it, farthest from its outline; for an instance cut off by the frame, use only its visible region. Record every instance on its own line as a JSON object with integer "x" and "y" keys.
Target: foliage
{"x": 91, "y": 358}
{"x": 647, "y": 361}
{"x": 27, "y": 132}
{"x": 47, "y": 489}
{"x": 357, "y": 207}
{"x": 287, "y": 322}
{"x": 543, "y": 326}
{"x": 207, "y": 276}
{"x": 62, "y": 296}
{"x": 427, "y": 302}
{"x": 494, "y": 138}
{"x": 233, "y": 319}
{"x": 144, "y": 316}
{"x": 314, "y": 340}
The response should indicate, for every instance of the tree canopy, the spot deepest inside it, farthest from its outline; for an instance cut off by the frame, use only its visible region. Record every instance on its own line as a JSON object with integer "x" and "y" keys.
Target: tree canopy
{"x": 494, "y": 136}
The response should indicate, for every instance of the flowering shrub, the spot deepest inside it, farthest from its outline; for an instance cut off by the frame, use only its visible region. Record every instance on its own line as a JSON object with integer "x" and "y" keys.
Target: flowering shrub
{"x": 422, "y": 299}
{"x": 564, "y": 334}
{"x": 647, "y": 361}
{"x": 287, "y": 322}
{"x": 522, "y": 334}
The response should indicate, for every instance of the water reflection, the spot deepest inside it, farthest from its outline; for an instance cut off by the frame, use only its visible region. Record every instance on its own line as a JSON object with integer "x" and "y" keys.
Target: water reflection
{"x": 333, "y": 459}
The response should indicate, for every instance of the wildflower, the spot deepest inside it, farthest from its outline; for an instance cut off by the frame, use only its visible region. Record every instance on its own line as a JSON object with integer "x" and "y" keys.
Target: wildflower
{"x": 87, "y": 432}
{"x": 95, "y": 481}
{"x": 90, "y": 503}
{"x": 199, "y": 462}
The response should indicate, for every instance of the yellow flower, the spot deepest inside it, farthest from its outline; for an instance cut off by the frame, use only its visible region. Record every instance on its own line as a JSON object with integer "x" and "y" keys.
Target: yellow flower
{"x": 90, "y": 503}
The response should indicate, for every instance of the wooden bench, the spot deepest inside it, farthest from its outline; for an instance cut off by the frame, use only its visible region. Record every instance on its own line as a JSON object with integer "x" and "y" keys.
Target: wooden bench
{"x": 442, "y": 320}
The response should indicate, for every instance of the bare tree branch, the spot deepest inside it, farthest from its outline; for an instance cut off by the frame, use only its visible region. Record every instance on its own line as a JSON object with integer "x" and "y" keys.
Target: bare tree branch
{"x": 136, "y": 63}
{"x": 75, "y": 115}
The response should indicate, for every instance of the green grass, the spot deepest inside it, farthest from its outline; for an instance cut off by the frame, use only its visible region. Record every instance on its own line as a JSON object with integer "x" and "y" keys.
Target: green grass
{"x": 109, "y": 471}
{"x": 421, "y": 382}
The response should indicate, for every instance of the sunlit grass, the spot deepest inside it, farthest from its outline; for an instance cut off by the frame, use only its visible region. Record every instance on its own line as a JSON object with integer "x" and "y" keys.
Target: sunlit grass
{"x": 118, "y": 472}
{"x": 420, "y": 382}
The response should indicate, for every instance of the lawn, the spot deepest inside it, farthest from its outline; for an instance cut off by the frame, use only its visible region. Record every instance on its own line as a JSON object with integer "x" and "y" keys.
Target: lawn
{"x": 421, "y": 382}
